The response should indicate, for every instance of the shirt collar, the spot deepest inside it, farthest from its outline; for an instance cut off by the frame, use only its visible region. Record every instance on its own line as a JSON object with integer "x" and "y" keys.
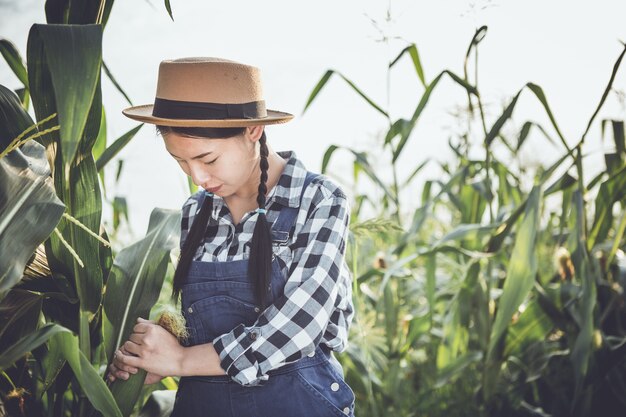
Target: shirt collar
{"x": 288, "y": 190}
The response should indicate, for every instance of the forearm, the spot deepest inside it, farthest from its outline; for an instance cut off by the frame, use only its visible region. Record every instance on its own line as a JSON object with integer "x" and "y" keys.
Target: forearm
{"x": 200, "y": 360}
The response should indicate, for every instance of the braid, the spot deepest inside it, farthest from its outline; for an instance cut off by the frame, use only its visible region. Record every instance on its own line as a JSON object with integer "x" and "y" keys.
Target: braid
{"x": 260, "y": 261}
{"x": 193, "y": 240}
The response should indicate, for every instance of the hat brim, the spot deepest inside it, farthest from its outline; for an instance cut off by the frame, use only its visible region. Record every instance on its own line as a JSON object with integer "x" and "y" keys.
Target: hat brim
{"x": 144, "y": 114}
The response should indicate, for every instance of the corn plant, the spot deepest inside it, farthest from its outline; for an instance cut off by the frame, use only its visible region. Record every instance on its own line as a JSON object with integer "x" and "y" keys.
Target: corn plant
{"x": 66, "y": 301}
{"x": 460, "y": 307}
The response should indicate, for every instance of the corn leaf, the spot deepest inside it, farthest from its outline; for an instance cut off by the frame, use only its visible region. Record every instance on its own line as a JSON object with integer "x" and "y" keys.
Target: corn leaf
{"x": 521, "y": 272}
{"x": 133, "y": 286}
{"x": 29, "y": 209}
{"x": 71, "y": 52}
{"x": 28, "y": 343}
{"x": 14, "y": 59}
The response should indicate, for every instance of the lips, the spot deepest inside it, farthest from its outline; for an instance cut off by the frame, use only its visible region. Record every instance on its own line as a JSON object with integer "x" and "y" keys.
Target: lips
{"x": 214, "y": 189}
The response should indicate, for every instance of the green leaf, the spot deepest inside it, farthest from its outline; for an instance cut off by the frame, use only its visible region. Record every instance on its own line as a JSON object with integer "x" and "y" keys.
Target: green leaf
{"x": 407, "y": 129}
{"x": 120, "y": 211}
{"x": 563, "y": 183}
{"x": 168, "y": 7}
{"x": 29, "y": 209}
{"x": 329, "y": 152}
{"x": 399, "y": 127}
{"x": 453, "y": 370}
{"x": 133, "y": 286}
{"x": 101, "y": 141}
{"x": 521, "y": 270}
{"x": 90, "y": 381}
{"x": 117, "y": 85}
{"x": 15, "y": 61}
{"x": 28, "y": 343}
{"x": 581, "y": 352}
{"x": 533, "y": 325}
{"x": 116, "y": 147}
{"x": 13, "y": 118}
{"x": 544, "y": 101}
{"x": 431, "y": 284}
{"x": 508, "y": 113}
{"x": 473, "y": 232}
{"x": 318, "y": 87}
{"x": 497, "y": 126}
{"x": 414, "y": 173}
{"x": 76, "y": 180}
{"x": 523, "y": 135}
{"x": 24, "y": 96}
{"x": 606, "y": 92}
{"x": 360, "y": 164}
{"x": 417, "y": 63}
{"x": 322, "y": 82}
{"x": 19, "y": 316}
{"x": 71, "y": 53}
{"x": 618, "y": 137}
{"x": 479, "y": 35}
{"x": 611, "y": 191}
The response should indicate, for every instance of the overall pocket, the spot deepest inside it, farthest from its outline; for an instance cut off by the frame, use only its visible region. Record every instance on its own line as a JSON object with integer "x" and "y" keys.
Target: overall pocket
{"x": 324, "y": 383}
{"x": 217, "y": 307}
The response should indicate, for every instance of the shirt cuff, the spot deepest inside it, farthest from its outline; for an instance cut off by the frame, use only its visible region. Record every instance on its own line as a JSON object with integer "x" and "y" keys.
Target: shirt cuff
{"x": 237, "y": 357}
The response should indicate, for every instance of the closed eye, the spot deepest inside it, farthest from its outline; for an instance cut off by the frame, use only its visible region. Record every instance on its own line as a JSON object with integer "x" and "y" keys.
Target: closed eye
{"x": 210, "y": 162}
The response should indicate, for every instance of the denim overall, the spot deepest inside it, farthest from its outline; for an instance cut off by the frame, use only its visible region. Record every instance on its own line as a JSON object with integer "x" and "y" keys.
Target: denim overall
{"x": 216, "y": 298}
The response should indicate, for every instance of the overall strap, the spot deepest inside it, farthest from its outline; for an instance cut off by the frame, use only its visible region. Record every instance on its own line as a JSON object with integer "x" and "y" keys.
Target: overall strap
{"x": 288, "y": 215}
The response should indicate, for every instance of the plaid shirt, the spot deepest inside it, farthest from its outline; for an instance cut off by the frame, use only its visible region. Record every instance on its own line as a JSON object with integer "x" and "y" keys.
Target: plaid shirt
{"x": 317, "y": 303}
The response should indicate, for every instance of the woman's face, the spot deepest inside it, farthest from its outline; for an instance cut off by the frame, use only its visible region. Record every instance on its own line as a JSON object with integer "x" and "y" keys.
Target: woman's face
{"x": 222, "y": 166}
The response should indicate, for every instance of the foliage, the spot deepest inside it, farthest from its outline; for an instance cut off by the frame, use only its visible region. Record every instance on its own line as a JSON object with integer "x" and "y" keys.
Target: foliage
{"x": 461, "y": 308}
{"x": 464, "y": 312}
{"x": 66, "y": 301}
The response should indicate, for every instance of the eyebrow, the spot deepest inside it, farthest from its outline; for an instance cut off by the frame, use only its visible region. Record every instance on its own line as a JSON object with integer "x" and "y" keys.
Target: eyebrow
{"x": 195, "y": 157}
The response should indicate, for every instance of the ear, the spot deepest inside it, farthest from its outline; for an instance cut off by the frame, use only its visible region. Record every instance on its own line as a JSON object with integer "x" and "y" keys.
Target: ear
{"x": 254, "y": 133}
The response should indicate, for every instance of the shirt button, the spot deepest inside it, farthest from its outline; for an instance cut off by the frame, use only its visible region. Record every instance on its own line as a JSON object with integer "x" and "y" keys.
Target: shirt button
{"x": 334, "y": 386}
{"x": 253, "y": 335}
{"x": 310, "y": 355}
{"x": 257, "y": 309}
{"x": 190, "y": 310}
{"x": 346, "y": 410}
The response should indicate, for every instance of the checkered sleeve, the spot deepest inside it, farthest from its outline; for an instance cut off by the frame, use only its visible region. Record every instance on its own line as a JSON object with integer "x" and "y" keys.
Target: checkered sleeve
{"x": 295, "y": 323}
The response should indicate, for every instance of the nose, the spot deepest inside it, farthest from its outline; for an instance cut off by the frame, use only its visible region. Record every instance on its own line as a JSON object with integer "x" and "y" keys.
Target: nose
{"x": 199, "y": 175}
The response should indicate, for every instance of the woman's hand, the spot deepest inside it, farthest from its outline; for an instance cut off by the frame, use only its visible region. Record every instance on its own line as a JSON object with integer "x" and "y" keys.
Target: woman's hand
{"x": 149, "y": 347}
{"x": 118, "y": 370}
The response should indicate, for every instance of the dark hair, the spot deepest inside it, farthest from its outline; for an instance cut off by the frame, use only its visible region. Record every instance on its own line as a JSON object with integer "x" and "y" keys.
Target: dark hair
{"x": 260, "y": 260}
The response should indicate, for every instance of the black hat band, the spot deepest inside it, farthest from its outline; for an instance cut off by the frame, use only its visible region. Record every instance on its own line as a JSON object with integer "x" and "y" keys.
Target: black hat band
{"x": 192, "y": 110}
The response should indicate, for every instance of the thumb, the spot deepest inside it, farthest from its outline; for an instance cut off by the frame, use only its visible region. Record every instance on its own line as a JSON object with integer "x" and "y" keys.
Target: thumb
{"x": 142, "y": 320}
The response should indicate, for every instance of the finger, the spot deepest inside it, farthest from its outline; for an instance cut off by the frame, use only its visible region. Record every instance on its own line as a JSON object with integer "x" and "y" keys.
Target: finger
{"x": 117, "y": 360}
{"x": 129, "y": 360}
{"x": 123, "y": 375}
{"x": 132, "y": 347}
{"x": 136, "y": 338}
{"x": 117, "y": 367}
{"x": 141, "y": 327}
{"x": 125, "y": 352}
{"x": 118, "y": 373}
{"x": 142, "y": 320}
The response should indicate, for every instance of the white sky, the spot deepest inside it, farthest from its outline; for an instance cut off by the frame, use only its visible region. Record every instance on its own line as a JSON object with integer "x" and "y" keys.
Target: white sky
{"x": 566, "y": 47}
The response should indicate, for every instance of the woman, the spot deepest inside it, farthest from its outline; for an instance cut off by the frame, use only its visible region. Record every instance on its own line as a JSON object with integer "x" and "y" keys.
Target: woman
{"x": 265, "y": 290}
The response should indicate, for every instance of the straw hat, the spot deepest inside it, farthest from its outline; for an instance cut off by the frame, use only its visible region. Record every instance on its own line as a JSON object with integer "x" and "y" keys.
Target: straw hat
{"x": 207, "y": 92}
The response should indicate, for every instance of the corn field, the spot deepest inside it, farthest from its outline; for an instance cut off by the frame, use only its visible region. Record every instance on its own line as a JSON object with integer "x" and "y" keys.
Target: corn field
{"x": 500, "y": 295}
{"x": 503, "y": 294}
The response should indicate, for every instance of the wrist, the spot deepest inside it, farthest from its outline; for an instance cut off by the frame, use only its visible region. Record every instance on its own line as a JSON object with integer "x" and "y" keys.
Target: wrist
{"x": 181, "y": 362}
{"x": 200, "y": 360}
